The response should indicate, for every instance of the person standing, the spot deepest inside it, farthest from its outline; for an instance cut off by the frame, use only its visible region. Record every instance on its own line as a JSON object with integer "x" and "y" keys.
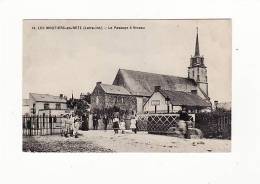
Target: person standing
{"x": 133, "y": 123}
{"x": 184, "y": 116}
{"x": 71, "y": 122}
{"x": 76, "y": 127}
{"x": 63, "y": 125}
{"x": 116, "y": 124}
{"x": 84, "y": 122}
{"x": 122, "y": 124}
{"x": 105, "y": 121}
{"x": 95, "y": 121}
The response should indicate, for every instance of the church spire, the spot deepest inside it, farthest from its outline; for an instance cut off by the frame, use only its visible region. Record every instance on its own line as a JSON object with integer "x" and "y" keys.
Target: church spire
{"x": 197, "y": 47}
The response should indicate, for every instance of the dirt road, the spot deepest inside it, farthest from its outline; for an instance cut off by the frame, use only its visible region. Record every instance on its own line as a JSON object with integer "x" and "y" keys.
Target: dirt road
{"x": 107, "y": 141}
{"x": 144, "y": 142}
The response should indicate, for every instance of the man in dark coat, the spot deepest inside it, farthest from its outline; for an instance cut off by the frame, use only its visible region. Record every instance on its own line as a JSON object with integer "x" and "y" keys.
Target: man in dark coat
{"x": 95, "y": 121}
{"x": 85, "y": 122}
{"x": 185, "y": 117}
{"x": 105, "y": 121}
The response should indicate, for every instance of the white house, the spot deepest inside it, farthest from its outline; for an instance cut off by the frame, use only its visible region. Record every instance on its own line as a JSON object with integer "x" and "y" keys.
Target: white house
{"x": 164, "y": 101}
{"x": 47, "y": 104}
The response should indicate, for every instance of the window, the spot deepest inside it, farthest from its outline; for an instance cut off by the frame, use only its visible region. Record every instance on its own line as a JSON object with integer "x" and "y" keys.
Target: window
{"x": 194, "y": 91}
{"x": 58, "y": 106}
{"x": 122, "y": 99}
{"x": 46, "y": 106}
{"x": 192, "y": 73}
{"x": 198, "y": 77}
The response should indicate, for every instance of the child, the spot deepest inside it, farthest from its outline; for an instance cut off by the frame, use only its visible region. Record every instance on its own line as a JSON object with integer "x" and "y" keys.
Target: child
{"x": 133, "y": 124}
{"x": 122, "y": 125}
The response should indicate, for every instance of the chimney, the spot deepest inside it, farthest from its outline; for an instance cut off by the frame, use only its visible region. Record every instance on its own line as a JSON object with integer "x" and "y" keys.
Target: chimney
{"x": 98, "y": 83}
{"x": 157, "y": 88}
{"x": 61, "y": 95}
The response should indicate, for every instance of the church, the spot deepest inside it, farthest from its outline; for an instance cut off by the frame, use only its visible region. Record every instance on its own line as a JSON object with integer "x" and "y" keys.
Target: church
{"x": 131, "y": 90}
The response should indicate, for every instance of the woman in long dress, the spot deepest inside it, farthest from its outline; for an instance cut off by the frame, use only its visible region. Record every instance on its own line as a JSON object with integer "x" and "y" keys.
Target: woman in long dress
{"x": 122, "y": 124}
{"x": 133, "y": 124}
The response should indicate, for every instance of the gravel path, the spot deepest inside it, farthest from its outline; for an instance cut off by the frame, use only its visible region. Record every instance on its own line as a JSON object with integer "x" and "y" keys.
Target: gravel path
{"x": 56, "y": 143}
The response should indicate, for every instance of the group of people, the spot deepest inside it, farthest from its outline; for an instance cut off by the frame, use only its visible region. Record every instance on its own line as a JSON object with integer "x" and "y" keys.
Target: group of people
{"x": 118, "y": 122}
{"x": 70, "y": 124}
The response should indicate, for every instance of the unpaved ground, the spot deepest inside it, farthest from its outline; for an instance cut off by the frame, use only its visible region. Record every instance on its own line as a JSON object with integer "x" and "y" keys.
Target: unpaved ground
{"x": 144, "y": 142}
{"x": 57, "y": 143}
{"x": 107, "y": 141}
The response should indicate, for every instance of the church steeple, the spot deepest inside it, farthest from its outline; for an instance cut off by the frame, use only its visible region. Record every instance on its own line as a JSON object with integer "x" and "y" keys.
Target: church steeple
{"x": 197, "y": 47}
{"x": 197, "y": 69}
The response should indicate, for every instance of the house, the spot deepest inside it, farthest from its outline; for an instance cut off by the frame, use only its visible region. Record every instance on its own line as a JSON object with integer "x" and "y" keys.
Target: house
{"x": 165, "y": 101}
{"x": 132, "y": 89}
{"x": 107, "y": 96}
{"x": 45, "y": 104}
{"x": 26, "y": 106}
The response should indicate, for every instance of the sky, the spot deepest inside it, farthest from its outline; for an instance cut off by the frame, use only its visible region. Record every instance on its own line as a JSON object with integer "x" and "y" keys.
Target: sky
{"x": 62, "y": 61}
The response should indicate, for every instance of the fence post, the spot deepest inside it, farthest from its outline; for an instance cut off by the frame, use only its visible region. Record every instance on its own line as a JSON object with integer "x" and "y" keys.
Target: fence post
{"x": 50, "y": 123}
{"x": 30, "y": 126}
{"x": 43, "y": 123}
{"x": 37, "y": 124}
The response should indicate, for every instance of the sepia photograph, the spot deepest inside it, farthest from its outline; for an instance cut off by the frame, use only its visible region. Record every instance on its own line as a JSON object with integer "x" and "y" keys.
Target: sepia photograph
{"x": 127, "y": 85}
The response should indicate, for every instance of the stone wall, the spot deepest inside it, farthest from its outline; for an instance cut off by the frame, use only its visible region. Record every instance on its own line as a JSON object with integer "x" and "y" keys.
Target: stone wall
{"x": 100, "y": 100}
{"x": 124, "y": 102}
{"x": 97, "y": 98}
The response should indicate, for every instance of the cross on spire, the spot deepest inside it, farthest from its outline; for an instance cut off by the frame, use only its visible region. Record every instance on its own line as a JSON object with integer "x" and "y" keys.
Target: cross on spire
{"x": 197, "y": 47}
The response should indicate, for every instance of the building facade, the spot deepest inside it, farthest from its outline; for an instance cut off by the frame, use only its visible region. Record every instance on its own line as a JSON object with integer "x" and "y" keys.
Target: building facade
{"x": 164, "y": 101}
{"x": 107, "y": 96}
{"x": 45, "y": 104}
{"x": 132, "y": 89}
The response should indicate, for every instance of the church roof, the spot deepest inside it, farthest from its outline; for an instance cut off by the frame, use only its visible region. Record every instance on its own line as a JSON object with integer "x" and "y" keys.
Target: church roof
{"x": 197, "y": 47}
{"x": 143, "y": 83}
{"x": 47, "y": 98}
{"x": 184, "y": 98}
{"x": 113, "y": 89}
